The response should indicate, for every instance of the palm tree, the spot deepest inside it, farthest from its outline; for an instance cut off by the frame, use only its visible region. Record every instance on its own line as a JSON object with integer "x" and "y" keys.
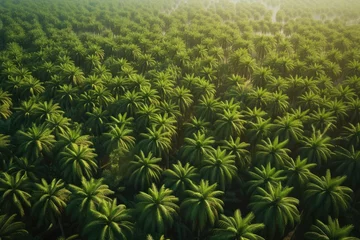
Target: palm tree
{"x": 5, "y": 104}
{"x": 156, "y": 141}
{"x": 326, "y": 196}
{"x": 202, "y": 206}
{"x": 130, "y": 102}
{"x": 164, "y": 123}
{"x": 35, "y": 141}
{"x": 149, "y": 95}
{"x": 261, "y": 77}
{"x": 46, "y": 110}
{"x": 258, "y": 130}
{"x": 259, "y": 97}
{"x": 288, "y": 127}
{"x": 230, "y": 123}
{"x": 323, "y": 118}
{"x": 97, "y": 118}
{"x": 179, "y": 178}
{"x": 109, "y": 221}
{"x": 10, "y": 229}
{"x": 348, "y": 164}
{"x": 238, "y": 148}
{"x": 352, "y": 134}
{"x": 219, "y": 167}
{"x": 273, "y": 152}
{"x": 275, "y": 209}
{"x": 49, "y": 202}
{"x": 278, "y": 104}
{"x": 260, "y": 177}
{"x": 331, "y": 231}
{"x": 144, "y": 170}
{"x": 14, "y": 192}
{"x": 298, "y": 173}
{"x": 156, "y": 209}
{"x": 119, "y": 138}
{"x": 144, "y": 113}
{"x": 237, "y": 227}
{"x": 207, "y": 108}
{"x": 195, "y": 126}
{"x": 72, "y": 74}
{"x": 87, "y": 197}
{"x": 73, "y": 136}
{"x": 58, "y": 124}
{"x": 195, "y": 148}
{"x": 317, "y": 148}
{"x": 183, "y": 97}
{"x": 77, "y": 161}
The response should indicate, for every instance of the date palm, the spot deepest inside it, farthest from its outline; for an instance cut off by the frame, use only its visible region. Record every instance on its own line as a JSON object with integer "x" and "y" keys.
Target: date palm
{"x": 230, "y": 123}
{"x": 259, "y": 97}
{"x": 15, "y": 193}
{"x": 46, "y": 110}
{"x": 144, "y": 114}
{"x": 73, "y": 136}
{"x": 87, "y": 197}
{"x": 35, "y": 141}
{"x": 109, "y": 221}
{"x": 195, "y": 126}
{"x": 25, "y": 113}
{"x": 50, "y": 200}
{"x": 275, "y": 209}
{"x": 326, "y": 196}
{"x": 239, "y": 149}
{"x": 144, "y": 170}
{"x": 183, "y": 97}
{"x": 179, "y": 178}
{"x": 208, "y": 108}
{"x": 258, "y": 130}
{"x": 202, "y": 206}
{"x": 156, "y": 209}
{"x": 288, "y": 127}
{"x": 219, "y": 167}
{"x": 332, "y": 230}
{"x": 278, "y": 104}
{"x": 156, "y": 141}
{"x": 58, "y": 124}
{"x": 237, "y": 227}
{"x": 11, "y": 229}
{"x": 322, "y": 119}
{"x": 351, "y": 133}
{"x": 77, "y": 161}
{"x": 164, "y": 123}
{"x": 149, "y": 95}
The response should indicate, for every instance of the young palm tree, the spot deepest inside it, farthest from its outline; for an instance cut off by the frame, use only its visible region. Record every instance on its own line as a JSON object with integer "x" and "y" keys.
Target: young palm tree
{"x": 202, "y": 206}
{"x": 144, "y": 170}
{"x": 15, "y": 193}
{"x": 219, "y": 167}
{"x": 77, "y": 161}
{"x": 49, "y": 202}
{"x": 10, "y": 229}
{"x": 326, "y": 196}
{"x": 35, "y": 141}
{"x": 109, "y": 221}
{"x": 275, "y": 209}
{"x": 237, "y": 227}
{"x": 331, "y": 231}
{"x": 87, "y": 197}
{"x": 179, "y": 178}
{"x": 156, "y": 209}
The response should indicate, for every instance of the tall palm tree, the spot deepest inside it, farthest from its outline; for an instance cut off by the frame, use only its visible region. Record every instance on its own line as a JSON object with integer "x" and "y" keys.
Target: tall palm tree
{"x": 109, "y": 221}
{"x": 87, "y": 197}
{"x": 219, "y": 167}
{"x": 183, "y": 97}
{"x": 326, "y": 196}
{"x": 50, "y": 200}
{"x": 144, "y": 170}
{"x": 35, "y": 141}
{"x": 77, "y": 161}
{"x": 275, "y": 209}
{"x": 237, "y": 227}
{"x": 15, "y": 193}
{"x": 207, "y": 108}
{"x": 288, "y": 127}
{"x": 202, "y": 206}
{"x": 11, "y": 229}
{"x": 331, "y": 231}
{"x": 156, "y": 209}
{"x": 179, "y": 178}
{"x": 164, "y": 123}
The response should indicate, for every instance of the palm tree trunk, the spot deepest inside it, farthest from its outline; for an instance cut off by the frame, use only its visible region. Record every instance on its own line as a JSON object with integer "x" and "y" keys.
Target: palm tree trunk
{"x": 61, "y": 228}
